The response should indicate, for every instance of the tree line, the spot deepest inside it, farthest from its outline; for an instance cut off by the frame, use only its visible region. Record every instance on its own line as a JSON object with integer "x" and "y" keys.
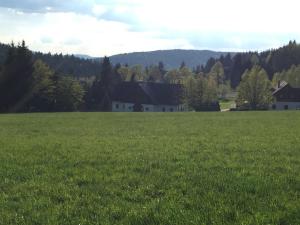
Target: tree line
{"x": 64, "y": 64}
{"x": 272, "y": 61}
{"x": 29, "y": 84}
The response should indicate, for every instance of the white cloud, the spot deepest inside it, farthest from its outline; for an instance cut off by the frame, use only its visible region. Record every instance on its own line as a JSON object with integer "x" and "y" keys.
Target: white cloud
{"x": 99, "y": 10}
{"x": 99, "y": 27}
{"x": 73, "y": 33}
{"x": 219, "y": 15}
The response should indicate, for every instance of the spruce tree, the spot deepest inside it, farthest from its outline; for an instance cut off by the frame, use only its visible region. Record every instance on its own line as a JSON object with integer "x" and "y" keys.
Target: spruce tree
{"x": 103, "y": 87}
{"x": 16, "y": 81}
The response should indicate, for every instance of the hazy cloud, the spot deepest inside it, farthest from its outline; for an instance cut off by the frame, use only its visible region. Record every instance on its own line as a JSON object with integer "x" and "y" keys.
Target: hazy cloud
{"x": 99, "y": 27}
{"x": 46, "y": 40}
{"x": 72, "y": 41}
{"x": 43, "y": 6}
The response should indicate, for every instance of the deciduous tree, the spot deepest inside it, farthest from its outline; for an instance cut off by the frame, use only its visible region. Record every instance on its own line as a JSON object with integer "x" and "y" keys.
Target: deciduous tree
{"x": 43, "y": 88}
{"x": 68, "y": 94}
{"x": 255, "y": 89}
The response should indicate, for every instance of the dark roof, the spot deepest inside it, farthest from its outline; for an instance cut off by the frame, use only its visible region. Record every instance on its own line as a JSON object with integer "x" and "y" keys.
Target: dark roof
{"x": 281, "y": 85}
{"x": 148, "y": 93}
{"x": 287, "y": 93}
{"x": 131, "y": 92}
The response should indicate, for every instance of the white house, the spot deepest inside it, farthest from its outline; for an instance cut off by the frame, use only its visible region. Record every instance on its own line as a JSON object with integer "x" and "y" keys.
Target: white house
{"x": 286, "y": 97}
{"x": 147, "y": 97}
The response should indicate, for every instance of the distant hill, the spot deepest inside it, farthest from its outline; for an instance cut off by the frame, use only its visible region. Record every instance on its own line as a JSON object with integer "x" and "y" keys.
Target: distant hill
{"x": 170, "y": 58}
{"x": 82, "y": 56}
{"x": 85, "y": 65}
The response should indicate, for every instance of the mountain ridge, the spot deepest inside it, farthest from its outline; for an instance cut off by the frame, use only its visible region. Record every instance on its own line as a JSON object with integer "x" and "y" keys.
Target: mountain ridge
{"x": 171, "y": 58}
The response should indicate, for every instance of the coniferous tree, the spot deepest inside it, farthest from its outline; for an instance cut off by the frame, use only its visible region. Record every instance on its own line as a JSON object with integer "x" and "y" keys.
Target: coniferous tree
{"x": 161, "y": 68}
{"x": 210, "y": 63}
{"x": 16, "y": 79}
{"x": 100, "y": 94}
{"x": 182, "y": 65}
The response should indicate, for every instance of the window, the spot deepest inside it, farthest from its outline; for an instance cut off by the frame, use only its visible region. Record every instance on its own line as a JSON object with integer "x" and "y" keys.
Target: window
{"x": 286, "y": 107}
{"x": 123, "y": 106}
{"x": 274, "y": 106}
{"x": 146, "y": 109}
{"x": 117, "y": 106}
{"x": 163, "y": 109}
{"x": 171, "y": 109}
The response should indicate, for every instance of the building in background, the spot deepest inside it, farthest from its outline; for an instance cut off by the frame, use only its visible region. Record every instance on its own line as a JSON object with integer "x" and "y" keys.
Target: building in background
{"x": 286, "y": 97}
{"x": 147, "y": 97}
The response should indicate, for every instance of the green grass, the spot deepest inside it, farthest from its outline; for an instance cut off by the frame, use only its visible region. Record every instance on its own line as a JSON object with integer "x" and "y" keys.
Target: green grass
{"x": 226, "y": 104}
{"x": 238, "y": 168}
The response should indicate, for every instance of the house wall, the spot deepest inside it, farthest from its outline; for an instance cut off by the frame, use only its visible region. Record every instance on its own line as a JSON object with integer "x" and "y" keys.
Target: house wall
{"x": 282, "y": 106}
{"x": 122, "y": 107}
{"x": 128, "y": 107}
{"x": 169, "y": 108}
{"x": 148, "y": 108}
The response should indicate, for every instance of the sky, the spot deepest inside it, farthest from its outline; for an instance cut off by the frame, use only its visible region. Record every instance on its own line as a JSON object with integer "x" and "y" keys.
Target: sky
{"x": 108, "y": 27}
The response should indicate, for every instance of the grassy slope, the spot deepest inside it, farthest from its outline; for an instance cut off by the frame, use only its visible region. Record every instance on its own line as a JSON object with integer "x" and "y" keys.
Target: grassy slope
{"x": 189, "y": 168}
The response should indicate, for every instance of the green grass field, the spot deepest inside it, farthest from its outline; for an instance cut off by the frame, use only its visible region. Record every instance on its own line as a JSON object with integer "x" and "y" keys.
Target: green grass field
{"x": 238, "y": 168}
{"x": 227, "y": 104}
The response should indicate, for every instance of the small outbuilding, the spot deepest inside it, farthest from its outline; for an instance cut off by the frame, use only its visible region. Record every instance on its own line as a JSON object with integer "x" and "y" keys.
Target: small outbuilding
{"x": 286, "y": 97}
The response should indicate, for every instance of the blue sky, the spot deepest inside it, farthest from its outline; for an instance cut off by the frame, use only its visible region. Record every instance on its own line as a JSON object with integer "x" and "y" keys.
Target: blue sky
{"x": 107, "y": 27}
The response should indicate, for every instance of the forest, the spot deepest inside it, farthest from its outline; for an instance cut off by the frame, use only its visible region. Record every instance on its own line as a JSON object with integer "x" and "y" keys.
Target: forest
{"x": 272, "y": 61}
{"x": 63, "y": 64}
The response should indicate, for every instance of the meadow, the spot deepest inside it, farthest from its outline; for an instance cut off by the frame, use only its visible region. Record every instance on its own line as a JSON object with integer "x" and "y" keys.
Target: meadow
{"x": 230, "y": 168}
